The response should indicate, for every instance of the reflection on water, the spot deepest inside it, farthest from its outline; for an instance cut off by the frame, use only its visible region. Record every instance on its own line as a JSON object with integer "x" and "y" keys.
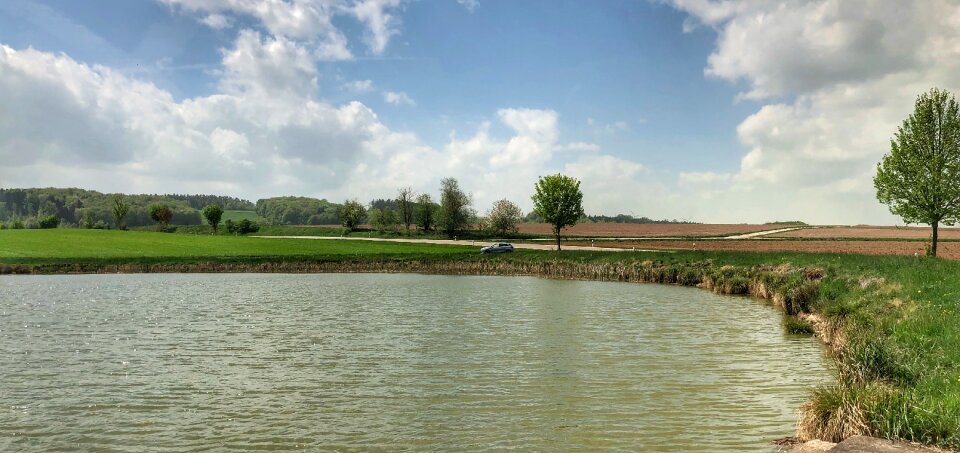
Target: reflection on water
{"x": 391, "y": 362}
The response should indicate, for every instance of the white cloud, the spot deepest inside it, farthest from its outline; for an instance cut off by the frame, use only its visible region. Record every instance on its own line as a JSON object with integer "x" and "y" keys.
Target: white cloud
{"x": 381, "y": 25}
{"x": 397, "y": 98}
{"x": 270, "y": 66}
{"x": 216, "y": 21}
{"x": 359, "y": 86}
{"x": 266, "y": 133}
{"x": 837, "y": 76}
{"x": 308, "y": 21}
{"x": 610, "y": 128}
{"x": 579, "y": 147}
{"x": 470, "y": 5}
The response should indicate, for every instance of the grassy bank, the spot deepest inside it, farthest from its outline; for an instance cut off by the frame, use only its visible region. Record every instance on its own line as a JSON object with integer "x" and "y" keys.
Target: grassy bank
{"x": 891, "y": 323}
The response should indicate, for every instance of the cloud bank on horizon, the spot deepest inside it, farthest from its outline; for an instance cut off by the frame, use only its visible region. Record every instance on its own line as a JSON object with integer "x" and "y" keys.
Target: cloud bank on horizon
{"x": 831, "y": 80}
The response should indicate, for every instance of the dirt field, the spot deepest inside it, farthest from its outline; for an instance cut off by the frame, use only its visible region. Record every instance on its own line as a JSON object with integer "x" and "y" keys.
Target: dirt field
{"x": 871, "y": 232}
{"x": 950, "y": 250}
{"x": 630, "y": 230}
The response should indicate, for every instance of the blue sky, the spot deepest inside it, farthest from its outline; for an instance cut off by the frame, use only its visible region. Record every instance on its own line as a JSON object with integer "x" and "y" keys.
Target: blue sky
{"x": 709, "y": 111}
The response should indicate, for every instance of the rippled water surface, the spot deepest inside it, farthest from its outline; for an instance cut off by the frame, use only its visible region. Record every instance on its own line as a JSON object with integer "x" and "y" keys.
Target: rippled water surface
{"x": 359, "y": 362}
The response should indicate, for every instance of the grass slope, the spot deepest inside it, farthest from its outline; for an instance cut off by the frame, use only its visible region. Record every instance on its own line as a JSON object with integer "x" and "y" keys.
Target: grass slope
{"x": 892, "y": 323}
{"x": 237, "y": 216}
{"x": 111, "y": 246}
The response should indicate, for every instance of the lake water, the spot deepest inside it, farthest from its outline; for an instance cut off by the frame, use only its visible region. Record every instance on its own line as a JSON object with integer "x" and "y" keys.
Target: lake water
{"x": 360, "y": 362}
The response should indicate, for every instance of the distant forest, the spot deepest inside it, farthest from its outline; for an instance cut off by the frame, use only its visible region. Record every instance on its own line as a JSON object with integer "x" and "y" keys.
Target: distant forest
{"x": 75, "y": 207}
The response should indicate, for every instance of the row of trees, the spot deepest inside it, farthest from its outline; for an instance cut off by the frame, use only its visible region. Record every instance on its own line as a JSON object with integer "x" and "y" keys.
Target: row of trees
{"x": 557, "y": 200}
{"x": 78, "y": 207}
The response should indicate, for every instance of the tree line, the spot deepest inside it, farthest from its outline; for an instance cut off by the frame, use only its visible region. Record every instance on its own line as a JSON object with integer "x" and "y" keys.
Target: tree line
{"x": 28, "y": 208}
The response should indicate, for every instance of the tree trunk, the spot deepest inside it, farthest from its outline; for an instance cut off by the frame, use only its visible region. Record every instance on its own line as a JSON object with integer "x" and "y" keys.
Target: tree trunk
{"x": 557, "y": 232}
{"x": 933, "y": 242}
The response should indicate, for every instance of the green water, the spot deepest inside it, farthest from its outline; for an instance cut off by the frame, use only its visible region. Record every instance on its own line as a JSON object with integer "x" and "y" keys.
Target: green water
{"x": 359, "y": 362}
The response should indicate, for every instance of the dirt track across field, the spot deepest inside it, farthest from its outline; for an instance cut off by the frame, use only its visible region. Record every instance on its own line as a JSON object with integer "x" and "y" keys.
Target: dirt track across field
{"x": 870, "y": 232}
{"x": 634, "y": 230}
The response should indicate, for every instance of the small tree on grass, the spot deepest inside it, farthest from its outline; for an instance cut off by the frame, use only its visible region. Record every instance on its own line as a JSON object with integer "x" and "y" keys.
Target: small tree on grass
{"x": 504, "y": 217}
{"x": 213, "y": 213}
{"x": 120, "y": 210}
{"x": 405, "y": 206}
{"x": 558, "y": 201}
{"x": 920, "y": 178}
{"x": 455, "y": 212}
{"x": 352, "y": 214}
{"x": 423, "y": 214}
{"x": 161, "y": 214}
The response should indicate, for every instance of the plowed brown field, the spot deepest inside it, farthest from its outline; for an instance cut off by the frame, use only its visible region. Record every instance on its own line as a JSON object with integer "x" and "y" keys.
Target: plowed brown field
{"x": 631, "y": 230}
{"x": 870, "y": 232}
{"x": 950, "y": 250}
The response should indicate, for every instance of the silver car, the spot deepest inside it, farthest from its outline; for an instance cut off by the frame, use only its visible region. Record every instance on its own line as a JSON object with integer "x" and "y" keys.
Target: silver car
{"x": 501, "y": 247}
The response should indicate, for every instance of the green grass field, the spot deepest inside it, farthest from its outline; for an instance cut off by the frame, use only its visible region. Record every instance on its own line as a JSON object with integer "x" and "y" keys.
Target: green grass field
{"x": 237, "y": 216}
{"x": 111, "y": 246}
{"x": 898, "y": 318}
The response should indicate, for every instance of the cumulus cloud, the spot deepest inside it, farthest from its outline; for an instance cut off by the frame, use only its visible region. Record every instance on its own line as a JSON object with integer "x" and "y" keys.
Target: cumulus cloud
{"x": 397, "y": 98}
{"x": 381, "y": 24}
{"x": 359, "y": 86}
{"x": 309, "y": 21}
{"x": 836, "y": 78}
{"x": 216, "y": 21}
{"x": 470, "y": 5}
{"x": 268, "y": 66}
{"x": 266, "y": 132}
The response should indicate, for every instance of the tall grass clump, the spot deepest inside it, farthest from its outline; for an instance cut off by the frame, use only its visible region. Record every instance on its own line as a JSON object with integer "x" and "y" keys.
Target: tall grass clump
{"x": 797, "y": 326}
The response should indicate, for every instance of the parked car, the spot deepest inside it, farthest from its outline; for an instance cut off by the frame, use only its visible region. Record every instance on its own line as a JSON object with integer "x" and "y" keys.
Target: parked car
{"x": 501, "y": 247}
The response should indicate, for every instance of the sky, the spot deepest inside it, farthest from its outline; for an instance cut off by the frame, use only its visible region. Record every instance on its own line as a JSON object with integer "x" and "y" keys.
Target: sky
{"x": 711, "y": 111}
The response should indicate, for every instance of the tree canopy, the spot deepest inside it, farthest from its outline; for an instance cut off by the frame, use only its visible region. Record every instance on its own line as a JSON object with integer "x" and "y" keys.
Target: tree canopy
{"x": 558, "y": 201}
{"x": 352, "y": 214}
{"x": 213, "y": 213}
{"x": 455, "y": 212}
{"x": 919, "y": 179}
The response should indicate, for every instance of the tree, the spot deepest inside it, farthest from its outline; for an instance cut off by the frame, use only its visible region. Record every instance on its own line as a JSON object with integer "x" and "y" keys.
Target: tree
{"x": 352, "y": 214}
{"x": 558, "y": 201}
{"x": 920, "y": 178}
{"x": 423, "y": 214}
{"x": 213, "y": 213}
{"x": 382, "y": 219}
{"x": 120, "y": 210}
{"x": 405, "y": 205}
{"x": 455, "y": 210}
{"x": 161, "y": 214}
{"x": 504, "y": 217}
{"x": 50, "y": 221}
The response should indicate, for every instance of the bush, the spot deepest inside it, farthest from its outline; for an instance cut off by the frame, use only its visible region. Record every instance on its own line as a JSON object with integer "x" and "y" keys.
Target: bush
{"x": 100, "y": 225}
{"x": 244, "y": 226}
{"x": 48, "y": 222}
{"x": 16, "y": 225}
{"x": 3, "y": 226}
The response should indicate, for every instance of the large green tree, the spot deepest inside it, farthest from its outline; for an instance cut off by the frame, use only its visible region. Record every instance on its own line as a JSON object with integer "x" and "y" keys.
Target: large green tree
{"x": 352, "y": 214}
{"x": 558, "y": 201}
{"x": 405, "y": 206}
{"x": 920, "y": 178}
{"x": 213, "y": 213}
{"x": 423, "y": 213}
{"x": 119, "y": 210}
{"x": 504, "y": 217}
{"x": 455, "y": 209}
{"x": 161, "y": 214}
